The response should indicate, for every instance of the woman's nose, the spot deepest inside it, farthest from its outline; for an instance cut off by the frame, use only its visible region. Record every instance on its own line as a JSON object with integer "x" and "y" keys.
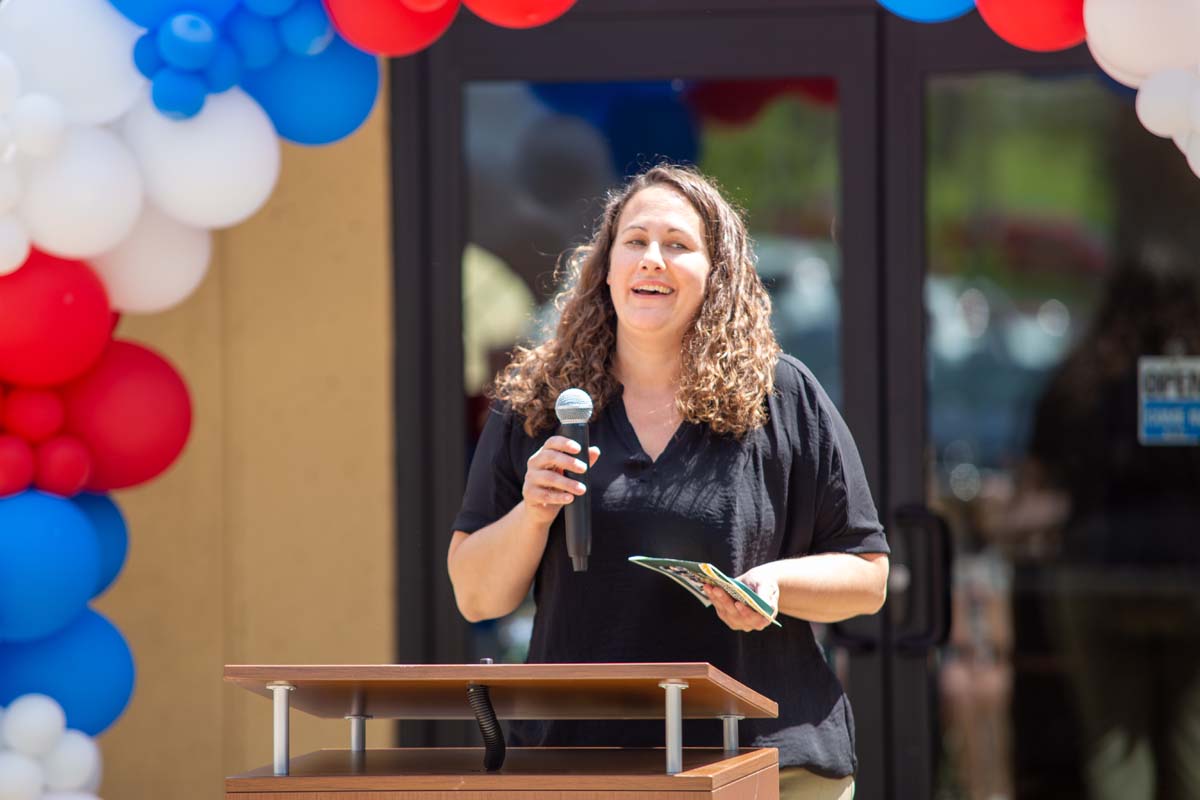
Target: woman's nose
{"x": 652, "y": 257}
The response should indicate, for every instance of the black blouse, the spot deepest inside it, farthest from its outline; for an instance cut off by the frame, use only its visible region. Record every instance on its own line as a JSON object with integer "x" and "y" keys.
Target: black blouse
{"x": 791, "y": 488}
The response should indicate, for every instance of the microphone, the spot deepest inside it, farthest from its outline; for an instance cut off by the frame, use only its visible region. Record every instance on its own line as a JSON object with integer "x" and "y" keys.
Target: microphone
{"x": 574, "y": 409}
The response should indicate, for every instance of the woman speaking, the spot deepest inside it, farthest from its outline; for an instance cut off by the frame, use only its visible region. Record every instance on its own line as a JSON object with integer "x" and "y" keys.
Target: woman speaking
{"x": 710, "y": 445}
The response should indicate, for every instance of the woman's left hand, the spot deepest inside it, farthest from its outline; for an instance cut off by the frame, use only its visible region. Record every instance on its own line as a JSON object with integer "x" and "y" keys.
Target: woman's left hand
{"x": 737, "y": 614}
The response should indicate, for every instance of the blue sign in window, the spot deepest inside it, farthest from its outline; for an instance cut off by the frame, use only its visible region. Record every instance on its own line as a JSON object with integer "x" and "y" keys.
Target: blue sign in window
{"x": 1169, "y": 401}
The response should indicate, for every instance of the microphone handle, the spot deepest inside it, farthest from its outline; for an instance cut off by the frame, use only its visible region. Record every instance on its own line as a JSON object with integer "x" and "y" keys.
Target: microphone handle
{"x": 579, "y": 510}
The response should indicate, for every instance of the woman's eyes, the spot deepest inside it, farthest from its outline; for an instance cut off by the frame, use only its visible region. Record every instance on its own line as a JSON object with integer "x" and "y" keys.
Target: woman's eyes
{"x": 642, "y": 243}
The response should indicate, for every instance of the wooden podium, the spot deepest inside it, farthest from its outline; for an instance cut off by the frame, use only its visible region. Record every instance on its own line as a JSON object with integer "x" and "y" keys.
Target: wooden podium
{"x": 672, "y": 692}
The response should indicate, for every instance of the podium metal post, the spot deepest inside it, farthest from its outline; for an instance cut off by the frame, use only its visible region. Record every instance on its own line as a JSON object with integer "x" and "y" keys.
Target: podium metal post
{"x": 282, "y": 747}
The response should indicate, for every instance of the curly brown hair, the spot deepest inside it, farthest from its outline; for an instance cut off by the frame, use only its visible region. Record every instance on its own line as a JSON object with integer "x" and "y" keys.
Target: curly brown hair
{"x": 729, "y": 353}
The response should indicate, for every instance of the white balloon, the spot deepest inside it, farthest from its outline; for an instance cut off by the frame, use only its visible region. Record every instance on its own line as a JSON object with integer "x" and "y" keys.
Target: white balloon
{"x": 72, "y": 762}
{"x": 14, "y": 244}
{"x": 1133, "y": 40}
{"x": 69, "y": 796}
{"x": 10, "y": 187}
{"x": 93, "y": 782}
{"x": 1193, "y": 117}
{"x": 1192, "y": 151}
{"x": 86, "y": 198}
{"x": 78, "y": 51}
{"x": 38, "y": 124}
{"x": 213, "y": 170}
{"x": 10, "y": 83}
{"x": 1132, "y": 81}
{"x": 20, "y": 777}
{"x": 33, "y": 724}
{"x": 1164, "y": 102}
{"x": 157, "y": 266}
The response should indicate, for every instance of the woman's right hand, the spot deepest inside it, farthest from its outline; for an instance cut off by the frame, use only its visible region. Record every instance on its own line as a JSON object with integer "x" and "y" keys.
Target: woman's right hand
{"x": 546, "y": 489}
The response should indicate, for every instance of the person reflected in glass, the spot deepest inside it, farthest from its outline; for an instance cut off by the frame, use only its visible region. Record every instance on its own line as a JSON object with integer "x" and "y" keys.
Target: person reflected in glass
{"x": 1129, "y": 580}
{"x": 711, "y": 445}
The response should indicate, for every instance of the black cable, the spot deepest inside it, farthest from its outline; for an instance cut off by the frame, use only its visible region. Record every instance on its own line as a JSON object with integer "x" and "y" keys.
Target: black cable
{"x": 489, "y": 726}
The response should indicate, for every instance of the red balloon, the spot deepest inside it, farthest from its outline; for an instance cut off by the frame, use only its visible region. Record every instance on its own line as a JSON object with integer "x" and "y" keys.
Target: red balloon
{"x": 16, "y": 464}
{"x": 33, "y": 414}
{"x": 133, "y": 412}
{"x": 62, "y": 466}
{"x": 1043, "y": 26}
{"x": 54, "y": 321}
{"x": 389, "y": 27}
{"x": 519, "y": 13}
{"x": 424, "y": 6}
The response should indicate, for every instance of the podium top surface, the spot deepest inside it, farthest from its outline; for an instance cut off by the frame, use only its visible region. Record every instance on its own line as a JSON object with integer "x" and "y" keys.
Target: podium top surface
{"x": 518, "y": 691}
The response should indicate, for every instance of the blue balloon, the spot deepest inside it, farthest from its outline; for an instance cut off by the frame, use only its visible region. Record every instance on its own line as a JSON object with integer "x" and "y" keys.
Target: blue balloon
{"x": 49, "y": 560}
{"x": 146, "y": 57}
{"x": 928, "y": 10}
{"x": 643, "y": 131}
{"x": 306, "y": 29}
{"x": 152, "y": 13}
{"x": 225, "y": 70}
{"x": 187, "y": 41}
{"x": 317, "y": 99}
{"x": 269, "y": 8}
{"x": 86, "y": 667}
{"x": 255, "y": 37}
{"x": 112, "y": 535}
{"x": 178, "y": 94}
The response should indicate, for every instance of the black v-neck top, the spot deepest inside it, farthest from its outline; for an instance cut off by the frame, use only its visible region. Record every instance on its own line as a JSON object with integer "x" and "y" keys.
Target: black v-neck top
{"x": 791, "y": 488}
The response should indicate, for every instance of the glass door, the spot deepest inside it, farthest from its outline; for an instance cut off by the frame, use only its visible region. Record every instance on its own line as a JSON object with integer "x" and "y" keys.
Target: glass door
{"x": 1053, "y": 255}
{"x": 529, "y": 129}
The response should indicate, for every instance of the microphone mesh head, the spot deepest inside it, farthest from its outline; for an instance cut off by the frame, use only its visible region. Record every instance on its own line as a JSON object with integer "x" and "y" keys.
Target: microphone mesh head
{"x": 573, "y": 406}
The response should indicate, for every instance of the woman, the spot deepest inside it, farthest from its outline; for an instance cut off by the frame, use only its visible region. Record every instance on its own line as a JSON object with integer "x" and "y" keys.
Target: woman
{"x": 711, "y": 446}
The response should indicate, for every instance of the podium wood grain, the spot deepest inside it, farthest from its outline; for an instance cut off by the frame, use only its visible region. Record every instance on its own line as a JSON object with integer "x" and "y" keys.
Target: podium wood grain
{"x": 518, "y": 691}
{"x": 535, "y": 773}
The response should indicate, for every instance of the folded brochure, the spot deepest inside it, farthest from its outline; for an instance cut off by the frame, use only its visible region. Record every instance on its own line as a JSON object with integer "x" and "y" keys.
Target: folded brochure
{"x": 693, "y": 575}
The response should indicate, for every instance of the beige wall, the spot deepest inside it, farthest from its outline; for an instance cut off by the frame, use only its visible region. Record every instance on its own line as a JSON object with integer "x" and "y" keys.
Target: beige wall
{"x": 270, "y": 540}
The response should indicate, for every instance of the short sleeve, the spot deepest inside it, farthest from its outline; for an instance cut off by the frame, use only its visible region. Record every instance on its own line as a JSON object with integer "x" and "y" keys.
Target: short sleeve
{"x": 493, "y": 484}
{"x": 830, "y": 505}
{"x": 846, "y": 519}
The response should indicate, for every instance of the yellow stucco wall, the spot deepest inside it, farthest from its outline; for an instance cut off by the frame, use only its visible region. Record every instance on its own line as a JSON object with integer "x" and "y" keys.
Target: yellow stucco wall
{"x": 271, "y": 539}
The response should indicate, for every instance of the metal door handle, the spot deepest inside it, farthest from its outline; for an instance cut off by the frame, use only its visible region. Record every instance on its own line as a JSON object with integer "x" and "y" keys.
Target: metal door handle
{"x": 924, "y": 590}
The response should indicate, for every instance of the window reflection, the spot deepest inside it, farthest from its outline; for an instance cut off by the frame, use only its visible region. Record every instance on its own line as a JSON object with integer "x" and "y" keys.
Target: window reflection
{"x": 1073, "y": 579}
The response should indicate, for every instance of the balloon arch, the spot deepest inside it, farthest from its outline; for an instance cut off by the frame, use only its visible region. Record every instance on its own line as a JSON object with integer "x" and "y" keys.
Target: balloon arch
{"x": 110, "y": 189}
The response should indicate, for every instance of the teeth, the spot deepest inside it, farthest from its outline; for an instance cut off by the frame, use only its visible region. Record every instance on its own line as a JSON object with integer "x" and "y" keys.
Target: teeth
{"x": 653, "y": 290}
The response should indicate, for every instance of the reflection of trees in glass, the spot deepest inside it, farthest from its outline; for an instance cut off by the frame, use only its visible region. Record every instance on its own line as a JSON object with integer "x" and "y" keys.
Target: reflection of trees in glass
{"x": 782, "y": 168}
{"x": 1020, "y": 207}
{"x": 1018, "y": 183}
